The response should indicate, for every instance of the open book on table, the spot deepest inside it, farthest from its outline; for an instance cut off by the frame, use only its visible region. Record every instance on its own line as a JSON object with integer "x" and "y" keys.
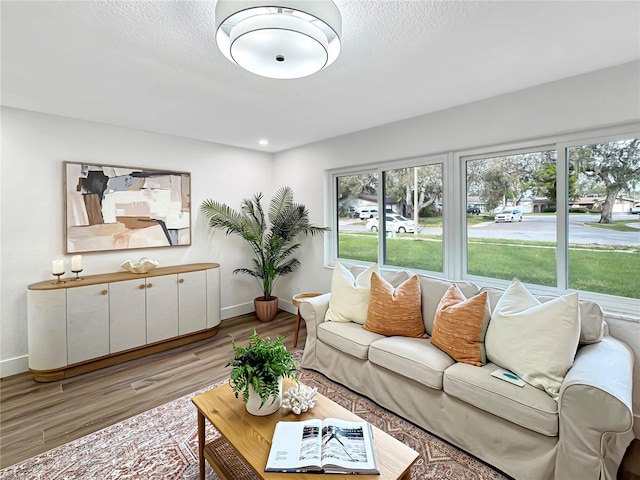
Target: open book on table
{"x": 329, "y": 446}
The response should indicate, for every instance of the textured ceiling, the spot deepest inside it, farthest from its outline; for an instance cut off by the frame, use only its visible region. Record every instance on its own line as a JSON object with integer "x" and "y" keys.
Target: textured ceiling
{"x": 154, "y": 65}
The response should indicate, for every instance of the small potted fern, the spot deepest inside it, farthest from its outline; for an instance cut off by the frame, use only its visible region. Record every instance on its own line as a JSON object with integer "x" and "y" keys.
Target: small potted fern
{"x": 258, "y": 370}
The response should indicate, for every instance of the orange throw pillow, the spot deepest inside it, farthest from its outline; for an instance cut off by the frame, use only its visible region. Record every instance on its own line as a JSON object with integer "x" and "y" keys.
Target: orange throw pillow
{"x": 395, "y": 311}
{"x": 460, "y": 325}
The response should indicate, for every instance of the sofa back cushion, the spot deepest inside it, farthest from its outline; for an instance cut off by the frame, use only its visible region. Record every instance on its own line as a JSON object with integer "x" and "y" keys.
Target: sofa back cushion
{"x": 591, "y": 315}
{"x": 395, "y": 311}
{"x": 433, "y": 289}
{"x": 394, "y": 277}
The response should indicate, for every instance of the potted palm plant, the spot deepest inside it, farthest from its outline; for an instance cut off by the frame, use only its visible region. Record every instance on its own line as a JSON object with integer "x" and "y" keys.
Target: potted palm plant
{"x": 273, "y": 239}
{"x": 258, "y": 370}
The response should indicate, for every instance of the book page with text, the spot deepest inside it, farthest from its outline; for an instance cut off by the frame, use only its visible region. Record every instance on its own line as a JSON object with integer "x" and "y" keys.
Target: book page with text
{"x": 295, "y": 446}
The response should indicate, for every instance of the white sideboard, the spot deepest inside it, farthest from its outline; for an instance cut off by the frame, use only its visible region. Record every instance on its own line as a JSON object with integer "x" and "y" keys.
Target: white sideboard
{"x": 100, "y": 320}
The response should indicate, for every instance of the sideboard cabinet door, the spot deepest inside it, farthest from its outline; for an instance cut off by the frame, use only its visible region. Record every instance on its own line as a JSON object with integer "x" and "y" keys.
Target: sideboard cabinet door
{"x": 47, "y": 314}
{"x": 162, "y": 308}
{"x": 87, "y": 322}
{"x": 127, "y": 321}
{"x": 192, "y": 298}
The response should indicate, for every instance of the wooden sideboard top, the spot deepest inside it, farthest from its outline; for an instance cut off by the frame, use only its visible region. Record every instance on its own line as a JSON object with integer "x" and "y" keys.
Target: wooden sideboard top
{"x": 119, "y": 276}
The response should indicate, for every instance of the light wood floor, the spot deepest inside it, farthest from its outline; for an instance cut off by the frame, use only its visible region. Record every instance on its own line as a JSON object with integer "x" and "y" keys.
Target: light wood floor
{"x": 35, "y": 417}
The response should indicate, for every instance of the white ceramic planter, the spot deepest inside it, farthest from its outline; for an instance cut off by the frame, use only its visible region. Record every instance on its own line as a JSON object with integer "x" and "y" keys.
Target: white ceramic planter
{"x": 269, "y": 407}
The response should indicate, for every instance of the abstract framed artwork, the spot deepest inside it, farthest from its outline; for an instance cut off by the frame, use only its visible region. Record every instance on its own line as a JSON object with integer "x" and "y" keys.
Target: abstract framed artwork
{"x": 109, "y": 207}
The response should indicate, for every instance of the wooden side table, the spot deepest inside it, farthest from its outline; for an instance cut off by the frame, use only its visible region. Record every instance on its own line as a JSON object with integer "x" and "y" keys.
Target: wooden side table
{"x": 296, "y": 303}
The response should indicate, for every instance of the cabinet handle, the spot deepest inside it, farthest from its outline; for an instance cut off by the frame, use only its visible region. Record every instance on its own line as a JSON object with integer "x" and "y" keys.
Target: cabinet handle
{"x": 149, "y": 285}
{"x": 181, "y": 280}
{"x": 142, "y": 287}
{"x": 104, "y": 292}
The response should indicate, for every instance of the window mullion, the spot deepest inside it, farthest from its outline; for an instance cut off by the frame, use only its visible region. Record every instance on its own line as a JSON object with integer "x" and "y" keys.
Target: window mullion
{"x": 562, "y": 224}
{"x": 454, "y": 234}
{"x": 382, "y": 231}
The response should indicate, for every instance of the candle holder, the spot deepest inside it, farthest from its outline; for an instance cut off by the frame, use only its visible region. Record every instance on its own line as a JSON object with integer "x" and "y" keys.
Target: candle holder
{"x": 58, "y": 275}
{"x": 77, "y": 272}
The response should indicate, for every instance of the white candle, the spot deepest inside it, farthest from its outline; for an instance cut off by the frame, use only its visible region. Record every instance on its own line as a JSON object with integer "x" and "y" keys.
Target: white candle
{"x": 76, "y": 263}
{"x": 58, "y": 267}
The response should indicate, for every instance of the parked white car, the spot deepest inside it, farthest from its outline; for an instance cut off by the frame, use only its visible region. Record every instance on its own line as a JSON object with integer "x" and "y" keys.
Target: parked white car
{"x": 366, "y": 214}
{"x": 509, "y": 215}
{"x": 394, "y": 223}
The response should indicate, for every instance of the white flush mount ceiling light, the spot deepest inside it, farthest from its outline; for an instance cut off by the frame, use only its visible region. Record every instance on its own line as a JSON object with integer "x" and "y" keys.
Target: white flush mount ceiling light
{"x": 279, "y": 38}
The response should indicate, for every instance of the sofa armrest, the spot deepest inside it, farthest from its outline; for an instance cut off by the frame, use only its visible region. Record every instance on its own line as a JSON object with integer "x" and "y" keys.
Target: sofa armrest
{"x": 313, "y": 310}
{"x": 595, "y": 411}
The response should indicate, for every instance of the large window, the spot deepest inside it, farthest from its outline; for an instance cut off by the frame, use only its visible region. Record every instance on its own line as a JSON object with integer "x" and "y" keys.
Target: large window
{"x": 561, "y": 214}
{"x": 511, "y": 217}
{"x": 413, "y": 217}
{"x": 357, "y": 204}
{"x": 400, "y": 226}
{"x": 603, "y": 223}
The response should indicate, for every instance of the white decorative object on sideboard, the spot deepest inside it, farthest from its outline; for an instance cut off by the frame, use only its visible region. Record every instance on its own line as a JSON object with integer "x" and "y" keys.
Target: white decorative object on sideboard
{"x": 101, "y": 320}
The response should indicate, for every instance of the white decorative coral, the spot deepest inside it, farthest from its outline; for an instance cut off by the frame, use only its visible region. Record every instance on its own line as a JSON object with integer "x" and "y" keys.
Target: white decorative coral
{"x": 299, "y": 398}
{"x": 144, "y": 265}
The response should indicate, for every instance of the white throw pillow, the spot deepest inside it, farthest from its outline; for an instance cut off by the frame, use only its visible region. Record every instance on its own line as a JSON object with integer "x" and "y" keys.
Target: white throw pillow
{"x": 537, "y": 341}
{"x": 349, "y": 299}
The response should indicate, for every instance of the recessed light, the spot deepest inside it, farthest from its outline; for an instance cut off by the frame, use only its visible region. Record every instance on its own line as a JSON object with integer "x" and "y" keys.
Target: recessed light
{"x": 264, "y": 142}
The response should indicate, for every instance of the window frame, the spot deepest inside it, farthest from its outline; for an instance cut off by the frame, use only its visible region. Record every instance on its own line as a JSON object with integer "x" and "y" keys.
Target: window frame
{"x": 454, "y": 200}
{"x": 483, "y": 154}
{"x": 331, "y": 217}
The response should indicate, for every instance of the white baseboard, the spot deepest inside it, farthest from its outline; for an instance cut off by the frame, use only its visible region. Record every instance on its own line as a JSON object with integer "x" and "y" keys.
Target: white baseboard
{"x": 13, "y": 366}
{"x": 236, "y": 310}
{"x": 287, "y": 306}
{"x": 244, "y": 308}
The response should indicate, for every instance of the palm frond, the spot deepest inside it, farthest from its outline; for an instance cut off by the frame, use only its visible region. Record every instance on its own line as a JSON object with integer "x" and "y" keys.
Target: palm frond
{"x": 247, "y": 271}
{"x": 223, "y": 217}
{"x": 252, "y": 207}
{"x": 280, "y": 202}
{"x": 289, "y": 267}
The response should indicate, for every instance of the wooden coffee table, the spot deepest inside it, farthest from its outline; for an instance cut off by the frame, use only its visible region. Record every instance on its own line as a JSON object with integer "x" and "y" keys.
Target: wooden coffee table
{"x": 246, "y": 439}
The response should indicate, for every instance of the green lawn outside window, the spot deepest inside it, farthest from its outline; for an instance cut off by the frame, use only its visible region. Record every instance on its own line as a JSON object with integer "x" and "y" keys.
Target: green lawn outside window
{"x": 594, "y": 269}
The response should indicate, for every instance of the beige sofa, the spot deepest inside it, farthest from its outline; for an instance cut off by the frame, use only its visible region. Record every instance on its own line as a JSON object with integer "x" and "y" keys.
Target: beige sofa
{"x": 522, "y": 431}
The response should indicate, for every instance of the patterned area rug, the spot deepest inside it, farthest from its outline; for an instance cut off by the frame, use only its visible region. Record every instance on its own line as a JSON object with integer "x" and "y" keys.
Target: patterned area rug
{"x": 162, "y": 444}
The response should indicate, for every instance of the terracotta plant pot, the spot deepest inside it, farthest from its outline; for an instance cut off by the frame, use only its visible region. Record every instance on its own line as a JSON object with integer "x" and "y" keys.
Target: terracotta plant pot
{"x": 266, "y": 309}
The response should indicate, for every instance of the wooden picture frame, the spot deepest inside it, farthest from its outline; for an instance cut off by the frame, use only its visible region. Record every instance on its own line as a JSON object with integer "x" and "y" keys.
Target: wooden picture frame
{"x": 111, "y": 207}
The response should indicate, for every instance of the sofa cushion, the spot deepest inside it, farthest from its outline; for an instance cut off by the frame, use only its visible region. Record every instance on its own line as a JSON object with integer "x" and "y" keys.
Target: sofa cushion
{"x": 349, "y": 338}
{"x": 537, "y": 341}
{"x": 433, "y": 289}
{"x": 592, "y": 322}
{"x": 460, "y": 326}
{"x": 349, "y": 299}
{"x": 414, "y": 358}
{"x": 395, "y": 311}
{"x": 394, "y": 277}
{"x": 526, "y": 406}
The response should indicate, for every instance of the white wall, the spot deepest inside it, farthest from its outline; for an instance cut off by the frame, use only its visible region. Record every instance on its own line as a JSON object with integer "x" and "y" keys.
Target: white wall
{"x": 600, "y": 99}
{"x": 33, "y": 148}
